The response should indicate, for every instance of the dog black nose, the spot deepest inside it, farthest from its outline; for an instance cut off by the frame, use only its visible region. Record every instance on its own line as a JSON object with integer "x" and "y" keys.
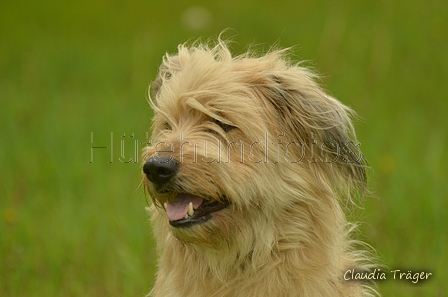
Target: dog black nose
{"x": 159, "y": 170}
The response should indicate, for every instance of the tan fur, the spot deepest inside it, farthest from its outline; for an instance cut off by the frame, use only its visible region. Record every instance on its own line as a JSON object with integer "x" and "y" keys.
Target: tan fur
{"x": 285, "y": 232}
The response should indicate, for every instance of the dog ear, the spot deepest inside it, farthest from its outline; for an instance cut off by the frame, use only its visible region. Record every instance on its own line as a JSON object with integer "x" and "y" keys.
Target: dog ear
{"x": 163, "y": 75}
{"x": 154, "y": 87}
{"x": 321, "y": 123}
{"x": 170, "y": 65}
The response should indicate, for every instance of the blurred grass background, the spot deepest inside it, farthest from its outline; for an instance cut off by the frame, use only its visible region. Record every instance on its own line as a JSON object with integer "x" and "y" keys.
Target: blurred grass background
{"x": 72, "y": 68}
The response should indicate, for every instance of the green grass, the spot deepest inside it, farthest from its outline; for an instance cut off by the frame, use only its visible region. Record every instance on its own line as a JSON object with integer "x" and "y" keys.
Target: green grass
{"x": 73, "y": 228}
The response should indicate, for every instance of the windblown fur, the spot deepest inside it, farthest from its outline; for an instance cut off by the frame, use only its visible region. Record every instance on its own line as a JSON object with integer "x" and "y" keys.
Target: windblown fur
{"x": 261, "y": 134}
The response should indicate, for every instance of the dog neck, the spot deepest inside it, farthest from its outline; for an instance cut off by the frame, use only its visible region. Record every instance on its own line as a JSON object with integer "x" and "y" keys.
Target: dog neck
{"x": 269, "y": 267}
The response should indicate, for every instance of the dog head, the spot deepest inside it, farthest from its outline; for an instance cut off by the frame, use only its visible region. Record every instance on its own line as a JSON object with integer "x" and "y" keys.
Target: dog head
{"x": 243, "y": 139}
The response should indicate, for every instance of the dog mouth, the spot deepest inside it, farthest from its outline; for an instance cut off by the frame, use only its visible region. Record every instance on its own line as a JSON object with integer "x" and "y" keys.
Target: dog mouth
{"x": 188, "y": 210}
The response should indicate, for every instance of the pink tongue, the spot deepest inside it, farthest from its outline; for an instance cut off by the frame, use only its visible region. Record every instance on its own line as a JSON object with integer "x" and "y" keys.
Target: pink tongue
{"x": 179, "y": 208}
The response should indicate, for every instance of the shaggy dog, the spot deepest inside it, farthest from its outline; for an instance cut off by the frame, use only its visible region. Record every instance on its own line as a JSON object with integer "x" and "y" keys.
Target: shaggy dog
{"x": 251, "y": 167}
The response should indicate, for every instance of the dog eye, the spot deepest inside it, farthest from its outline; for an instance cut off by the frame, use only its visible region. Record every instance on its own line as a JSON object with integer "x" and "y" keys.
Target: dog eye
{"x": 224, "y": 126}
{"x": 166, "y": 126}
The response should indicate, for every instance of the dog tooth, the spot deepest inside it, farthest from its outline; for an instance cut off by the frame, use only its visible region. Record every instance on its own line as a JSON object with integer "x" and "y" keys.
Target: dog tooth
{"x": 164, "y": 205}
{"x": 186, "y": 216}
{"x": 190, "y": 209}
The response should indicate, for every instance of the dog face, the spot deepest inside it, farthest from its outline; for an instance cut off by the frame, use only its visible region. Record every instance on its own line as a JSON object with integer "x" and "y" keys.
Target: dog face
{"x": 238, "y": 144}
